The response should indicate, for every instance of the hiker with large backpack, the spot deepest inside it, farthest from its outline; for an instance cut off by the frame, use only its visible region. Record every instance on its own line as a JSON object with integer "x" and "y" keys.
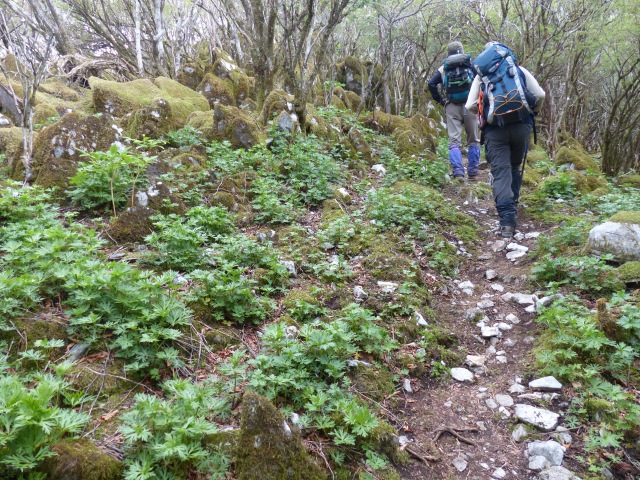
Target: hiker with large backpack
{"x": 506, "y": 98}
{"x": 456, "y": 76}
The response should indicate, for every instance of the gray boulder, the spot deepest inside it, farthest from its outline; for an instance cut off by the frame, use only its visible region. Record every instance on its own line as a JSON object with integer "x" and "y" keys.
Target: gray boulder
{"x": 622, "y": 240}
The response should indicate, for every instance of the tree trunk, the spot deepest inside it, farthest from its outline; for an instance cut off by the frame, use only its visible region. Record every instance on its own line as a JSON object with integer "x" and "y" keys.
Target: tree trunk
{"x": 138, "y": 39}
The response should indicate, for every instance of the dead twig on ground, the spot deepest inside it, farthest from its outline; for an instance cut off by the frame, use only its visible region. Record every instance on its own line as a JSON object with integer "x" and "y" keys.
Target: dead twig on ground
{"x": 456, "y": 433}
{"x": 426, "y": 458}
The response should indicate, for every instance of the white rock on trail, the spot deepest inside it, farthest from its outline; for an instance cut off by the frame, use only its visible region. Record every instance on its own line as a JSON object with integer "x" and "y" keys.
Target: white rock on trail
{"x": 359, "y": 293}
{"x": 545, "y": 384}
{"x": 387, "y": 287}
{"x": 531, "y": 235}
{"x": 475, "y": 360}
{"x": 516, "y": 254}
{"x": 519, "y": 298}
{"x": 460, "y": 463}
{"x": 512, "y": 318}
{"x": 514, "y": 247}
{"x": 545, "y": 420}
{"x": 497, "y": 287}
{"x": 519, "y": 434}
{"x": 491, "y": 274}
{"x": 557, "y": 473}
{"x": 488, "y": 332}
{"x": 504, "y": 400}
{"x": 550, "y": 449}
{"x": 485, "y": 304}
{"x": 467, "y": 287}
{"x": 499, "y": 245}
{"x": 462, "y": 375}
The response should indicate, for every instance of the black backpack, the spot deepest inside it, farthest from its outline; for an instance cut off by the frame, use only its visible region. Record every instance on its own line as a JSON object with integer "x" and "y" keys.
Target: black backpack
{"x": 457, "y": 78}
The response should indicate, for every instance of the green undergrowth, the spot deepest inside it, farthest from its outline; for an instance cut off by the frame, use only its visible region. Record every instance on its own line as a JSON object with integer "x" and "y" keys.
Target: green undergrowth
{"x": 598, "y": 354}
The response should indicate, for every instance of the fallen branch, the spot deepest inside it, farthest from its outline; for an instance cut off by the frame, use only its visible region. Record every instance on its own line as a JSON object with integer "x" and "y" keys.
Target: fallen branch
{"x": 456, "y": 433}
{"x": 424, "y": 458}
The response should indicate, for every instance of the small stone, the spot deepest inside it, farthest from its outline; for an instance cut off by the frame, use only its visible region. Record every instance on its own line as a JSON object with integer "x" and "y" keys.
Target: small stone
{"x": 543, "y": 419}
{"x": 499, "y": 245}
{"x": 359, "y": 293}
{"x": 550, "y": 449}
{"x": 467, "y": 287}
{"x": 497, "y": 287}
{"x": 499, "y": 473}
{"x": 504, "y": 400}
{"x": 491, "y": 403}
{"x": 562, "y": 436}
{"x": 504, "y": 326}
{"x": 291, "y": 266}
{"x": 476, "y": 361}
{"x": 545, "y": 384}
{"x": 421, "y": 322}
{"x": 519, "y": 434}
{"x": 516, "y": 388}
{"x": 557, "y": 473}
{"x": 501, "y": 359}
{"x": 491, "y": 350}
{"x": 179, "y": 280}
{"x": 488, "y": 332}
{"x": 379, "y": 169}
{"x": 509, "y": 342}
{"x": 518, "y": 237}
{"x": 512, "y": 318}
{"x": 491, "y": 274}
{"x": 473, "y": 314}
{"x": 387, "y": 287}
{"x": 529, "y": 340}
{"x": 447, "y": 404}
{"x": 462, "y": 375}
{"x": 538, "y": 463}
{"x": 481, "y": 426}
{"x": 519, "y": 298}
{"x": 485, "y": 304}
{"x": 407, "y": 385}
{"x": 516, "y": 254}
{"x": 485, "y": 466}
{"x": 485, "y": 256}
{"x": 460, "y": 463}
{"x": 531, "y": 235}
{"x": 530, "y": 309}
{"x": 482, "y": 389}
{"x": 516, "y": 247}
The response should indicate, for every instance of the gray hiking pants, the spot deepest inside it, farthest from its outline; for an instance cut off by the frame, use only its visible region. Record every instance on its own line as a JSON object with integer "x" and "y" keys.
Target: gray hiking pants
{"x": 457, "y": 118}
{"x": 505, "y": 148}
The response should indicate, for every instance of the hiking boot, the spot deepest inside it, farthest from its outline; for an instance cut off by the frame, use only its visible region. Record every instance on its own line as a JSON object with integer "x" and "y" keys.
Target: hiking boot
{"x": 507, "y": 231}
{"x": 473, "y": 178}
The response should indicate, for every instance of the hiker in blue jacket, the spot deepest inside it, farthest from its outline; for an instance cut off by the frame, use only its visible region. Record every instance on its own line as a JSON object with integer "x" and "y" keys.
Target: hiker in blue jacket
{"x": 507, "y": 97}
{"x": 456, "y": 77}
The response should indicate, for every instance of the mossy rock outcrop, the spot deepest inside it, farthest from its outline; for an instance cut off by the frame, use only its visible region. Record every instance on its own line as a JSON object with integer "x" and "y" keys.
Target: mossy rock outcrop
{"x": 276, "y": 102}
{"x": 228, "y": 123}
{"x": 630, "y": 181}
{"x": 354, "y": 100}
{"x": 359, "y": 144}
{"x": 532, "y": 177}
{"x": 43, "y": 114}
{"x": 166, "y": 100}
{"x": 268, "y": 449}
{"x": 577, "y": 158}
{"x": 58, "y": 88}
{"x": 34, "y": 328}
{"x": 352, "y": 73}
{"x": 191, "y": 75}
{"x": 336, "y": 102}
{"x": 626, "y": 217}
{"x": 11, "y": 144}
{"x": 57, "y": 147}
{"x": 132, "y": 225}
{"x": 81, "y": 460}
{"x": 216, "y": 90}
{"x": 586, "y": 183}
{"x": 629, "y": 272}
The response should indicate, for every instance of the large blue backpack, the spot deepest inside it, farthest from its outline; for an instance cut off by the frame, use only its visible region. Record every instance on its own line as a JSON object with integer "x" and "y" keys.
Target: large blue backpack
{"x": 457, "y": 78}
{"x": 506, "y": 98}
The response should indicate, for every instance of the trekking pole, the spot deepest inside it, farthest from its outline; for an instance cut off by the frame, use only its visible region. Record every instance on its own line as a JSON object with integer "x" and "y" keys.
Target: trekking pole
{"x": 535, "y": 140}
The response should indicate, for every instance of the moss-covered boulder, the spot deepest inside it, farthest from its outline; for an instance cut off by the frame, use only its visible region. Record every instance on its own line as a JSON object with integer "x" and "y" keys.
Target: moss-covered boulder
{"x": 385, "y": 123}
{"x": 577, "y": 158}
{"x": 276, "y": 102}
{"x": 532, "y": 177}
{"x": 43, "y": 114}
{"x": 58, "y": 147}
{"x": 535, "y": 156}
{"x": 268, "y": 448}
{"x": 190, "y": 75}
{"x": 132, "y": 225}
{"x": 30, "y": 329}
{"x": 359, "y": 144}
{"x": 630, "y": 181}
{"x": 629, "y": 272}
{"x": 168, "y": 101}
{"x": 58, "y": 88}
{"x": 352, "y": 73}
{"x": 228, "y": 123}
{"x": 627, "y": 216}
{"x": 216, "y": 90}
{"x": 11, "y": 146}
{"x": 354, "y": 100}
{"x": 586, "y": 183}
{"x": 81, "y": 460}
